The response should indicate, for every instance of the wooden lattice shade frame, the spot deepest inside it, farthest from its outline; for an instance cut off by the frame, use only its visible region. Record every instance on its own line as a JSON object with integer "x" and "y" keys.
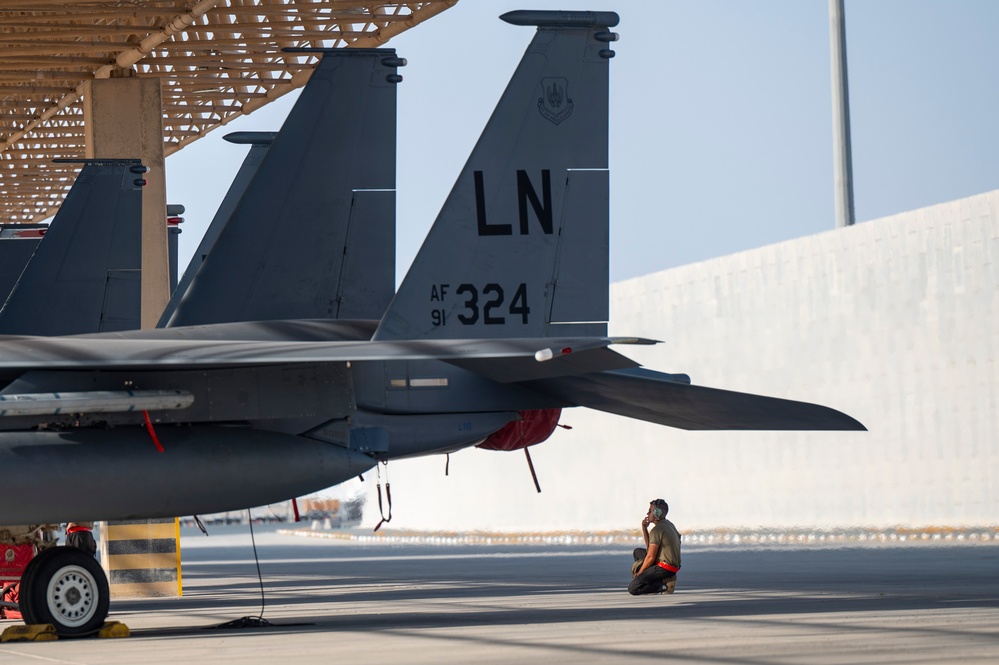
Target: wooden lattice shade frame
{"x": 218, "y": 59}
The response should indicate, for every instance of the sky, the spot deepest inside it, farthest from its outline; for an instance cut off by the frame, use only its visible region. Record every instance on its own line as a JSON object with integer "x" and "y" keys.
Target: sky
{"x": 720, "y": 119}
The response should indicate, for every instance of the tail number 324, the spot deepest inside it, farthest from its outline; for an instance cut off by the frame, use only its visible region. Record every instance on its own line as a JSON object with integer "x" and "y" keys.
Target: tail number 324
{"x": 489, "y": 304}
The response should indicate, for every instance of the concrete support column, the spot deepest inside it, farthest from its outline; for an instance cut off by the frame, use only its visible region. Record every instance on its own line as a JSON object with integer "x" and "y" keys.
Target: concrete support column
{"x": 124, "y": 119}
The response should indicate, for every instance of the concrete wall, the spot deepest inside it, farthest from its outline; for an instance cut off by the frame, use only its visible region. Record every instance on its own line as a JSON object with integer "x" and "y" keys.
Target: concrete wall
{"x": 894, "y": 321}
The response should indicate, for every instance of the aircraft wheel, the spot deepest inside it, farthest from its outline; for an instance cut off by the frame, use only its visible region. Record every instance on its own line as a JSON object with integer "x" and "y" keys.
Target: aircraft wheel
{"x": 67, "y": 588}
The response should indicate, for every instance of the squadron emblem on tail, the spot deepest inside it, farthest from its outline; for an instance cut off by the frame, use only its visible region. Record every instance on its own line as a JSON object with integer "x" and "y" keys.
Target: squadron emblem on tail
{"x": 554, "y": 103}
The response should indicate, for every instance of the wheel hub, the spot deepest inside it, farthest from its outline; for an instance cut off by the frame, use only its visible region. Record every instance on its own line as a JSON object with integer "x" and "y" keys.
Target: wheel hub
{"x": 71, "y": 596}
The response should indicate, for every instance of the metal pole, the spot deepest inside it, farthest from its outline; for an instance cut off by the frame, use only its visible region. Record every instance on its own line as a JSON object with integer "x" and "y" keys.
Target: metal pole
{"x": 842, "y": 159}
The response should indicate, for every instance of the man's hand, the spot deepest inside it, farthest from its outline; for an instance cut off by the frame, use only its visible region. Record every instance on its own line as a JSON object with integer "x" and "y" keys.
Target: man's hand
{"x": 646, "y": 522}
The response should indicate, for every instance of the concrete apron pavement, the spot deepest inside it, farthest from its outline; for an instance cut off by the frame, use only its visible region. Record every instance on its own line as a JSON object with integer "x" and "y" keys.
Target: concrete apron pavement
{"x": 407, "y": 603}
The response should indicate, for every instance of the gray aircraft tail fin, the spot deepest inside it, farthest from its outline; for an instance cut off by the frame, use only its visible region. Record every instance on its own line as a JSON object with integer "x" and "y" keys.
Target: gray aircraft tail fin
{"x": 520, "y": 247}
{"x": 259, "y": 143}
{"x": 313, "y": 236}
{"x": 84, "y": 276}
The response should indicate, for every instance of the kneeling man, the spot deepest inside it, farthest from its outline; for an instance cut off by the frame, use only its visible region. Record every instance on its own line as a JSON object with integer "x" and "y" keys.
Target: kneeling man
{"x": 657, "y": 564}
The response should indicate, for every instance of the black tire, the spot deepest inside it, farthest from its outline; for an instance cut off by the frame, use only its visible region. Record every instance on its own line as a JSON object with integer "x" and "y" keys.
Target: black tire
{"x": 66, "y": 588}
{"x": 23, "y": 600}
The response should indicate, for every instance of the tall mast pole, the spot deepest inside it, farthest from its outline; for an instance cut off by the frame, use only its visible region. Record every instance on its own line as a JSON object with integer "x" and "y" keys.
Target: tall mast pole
{"x": 842, "y": 159}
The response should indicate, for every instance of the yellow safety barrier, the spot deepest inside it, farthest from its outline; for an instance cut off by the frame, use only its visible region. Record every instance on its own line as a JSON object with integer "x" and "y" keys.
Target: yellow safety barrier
{"x": 142, "y": 558}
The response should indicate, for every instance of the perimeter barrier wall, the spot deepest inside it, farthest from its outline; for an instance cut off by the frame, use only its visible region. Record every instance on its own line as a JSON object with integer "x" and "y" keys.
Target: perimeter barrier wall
{"x": 894, "y": 321}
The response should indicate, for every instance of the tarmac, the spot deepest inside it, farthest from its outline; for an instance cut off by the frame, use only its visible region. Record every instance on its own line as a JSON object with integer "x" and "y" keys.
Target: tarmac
{"x": 404, "y": 602}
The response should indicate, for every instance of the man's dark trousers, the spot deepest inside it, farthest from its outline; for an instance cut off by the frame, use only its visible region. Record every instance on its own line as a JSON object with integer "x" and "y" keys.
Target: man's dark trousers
{"x": 651, "y": 580}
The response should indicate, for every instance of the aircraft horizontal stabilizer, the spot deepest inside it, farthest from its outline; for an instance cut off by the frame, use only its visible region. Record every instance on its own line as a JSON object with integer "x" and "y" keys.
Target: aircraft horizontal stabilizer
{"x": 667, "y": 400}
{"x": 48, "y": 353}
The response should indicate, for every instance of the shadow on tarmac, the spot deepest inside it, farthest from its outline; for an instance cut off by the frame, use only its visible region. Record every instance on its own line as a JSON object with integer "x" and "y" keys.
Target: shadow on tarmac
{"x": 509, "y": 586}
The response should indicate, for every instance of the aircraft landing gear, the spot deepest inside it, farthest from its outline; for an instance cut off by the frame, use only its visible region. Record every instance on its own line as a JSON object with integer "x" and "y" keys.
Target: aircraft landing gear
{"x": 67, "y": 588}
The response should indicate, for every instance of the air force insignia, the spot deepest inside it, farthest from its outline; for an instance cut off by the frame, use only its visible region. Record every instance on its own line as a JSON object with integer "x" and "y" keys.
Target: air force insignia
{"x": 554, "y": 103}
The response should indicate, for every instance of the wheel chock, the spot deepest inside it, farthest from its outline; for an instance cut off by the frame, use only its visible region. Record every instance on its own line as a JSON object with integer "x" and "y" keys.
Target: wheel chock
{"x": 46, "y": 632}
{"x": 114, "y": 629}
{"x": 39, "y": 632}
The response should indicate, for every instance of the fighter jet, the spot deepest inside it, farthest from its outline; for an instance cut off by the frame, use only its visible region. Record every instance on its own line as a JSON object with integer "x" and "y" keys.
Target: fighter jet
{"x": 502, "y": 315}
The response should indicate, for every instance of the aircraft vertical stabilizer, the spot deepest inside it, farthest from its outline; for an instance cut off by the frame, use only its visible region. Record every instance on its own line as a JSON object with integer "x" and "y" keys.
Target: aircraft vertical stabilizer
{"x": 520, "y": 247}
{"x": 259, "y": 142}
{"x": 313, "y": 236}
{"x": 84, "y": 277}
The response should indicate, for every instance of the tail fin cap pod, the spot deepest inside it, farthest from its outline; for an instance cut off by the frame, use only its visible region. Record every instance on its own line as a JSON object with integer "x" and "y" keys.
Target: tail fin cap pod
{"x": 561, "y": 19}
{"x": 390, "y": 60}
{"x": 251, "y": 138}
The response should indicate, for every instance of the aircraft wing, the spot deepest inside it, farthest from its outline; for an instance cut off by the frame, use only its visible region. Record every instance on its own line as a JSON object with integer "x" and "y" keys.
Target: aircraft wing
{"x": 665, "y": 400}
{"x": 515, "y": 359}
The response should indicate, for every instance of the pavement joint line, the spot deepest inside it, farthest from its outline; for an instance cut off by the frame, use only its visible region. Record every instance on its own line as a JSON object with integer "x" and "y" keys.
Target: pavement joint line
{"x": 795, "y": 537}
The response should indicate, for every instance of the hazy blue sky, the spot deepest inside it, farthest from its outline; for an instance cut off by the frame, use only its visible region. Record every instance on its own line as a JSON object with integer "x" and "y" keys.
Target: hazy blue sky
{"x": 721, "y": 122}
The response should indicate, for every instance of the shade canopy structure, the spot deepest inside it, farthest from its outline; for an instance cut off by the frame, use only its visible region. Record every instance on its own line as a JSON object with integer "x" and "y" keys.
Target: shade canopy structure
{"x": 217, "y": 59}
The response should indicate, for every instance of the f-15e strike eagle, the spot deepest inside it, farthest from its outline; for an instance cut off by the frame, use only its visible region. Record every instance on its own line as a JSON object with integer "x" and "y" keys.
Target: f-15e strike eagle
{"x": 501, "y": 318}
